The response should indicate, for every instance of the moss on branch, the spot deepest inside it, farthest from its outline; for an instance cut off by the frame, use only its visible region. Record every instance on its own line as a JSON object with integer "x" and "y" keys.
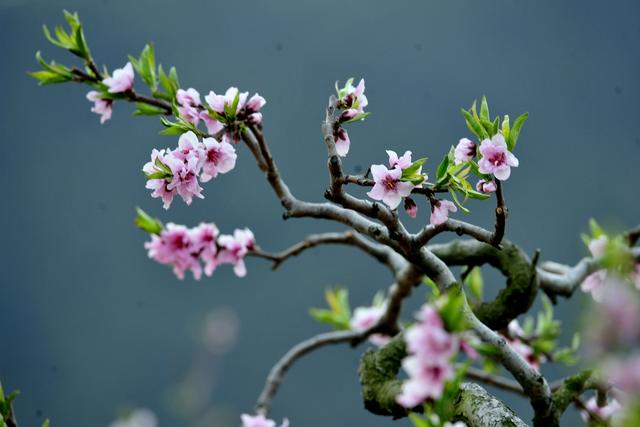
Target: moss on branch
{"x": 522, "y": 285}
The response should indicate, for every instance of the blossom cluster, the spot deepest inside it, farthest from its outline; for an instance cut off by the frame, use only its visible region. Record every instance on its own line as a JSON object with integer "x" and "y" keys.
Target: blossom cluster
{"x": 396, "y": 182}
{"x": 596, "y": 282}
{"x": 189, "y": 248}
{"x": 607, "y": 413}
{"x": 365, "y": 317}
{"x": 219, "y": 110}
{"x": 516, "y": 339}
{"x": 260, "y": 421}
{"x": 429, "y": 364}
{"x": 180, "y": 171}
{"x": 495, "y": 159}
{"x": 121, "y": 81}
{"x": 352, "y": 101}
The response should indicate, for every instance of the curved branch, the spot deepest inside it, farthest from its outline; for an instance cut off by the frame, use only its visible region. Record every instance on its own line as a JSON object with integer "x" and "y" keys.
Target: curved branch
{"x": 522, "y": 285}
{"x": 459, "y": 227}
{"x": 379, "y": 252}
{"x": 279, "y": 370}
{"x": 558, "y": 279}
{"x": 380, "y": 386}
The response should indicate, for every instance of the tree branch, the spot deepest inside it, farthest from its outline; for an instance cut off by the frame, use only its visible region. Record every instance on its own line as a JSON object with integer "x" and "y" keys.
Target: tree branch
{"x": 280, "y": 369}
{"x": 501, "y": 215}
{"x": 558, "y": 279}
{"x": 379, "y": 252}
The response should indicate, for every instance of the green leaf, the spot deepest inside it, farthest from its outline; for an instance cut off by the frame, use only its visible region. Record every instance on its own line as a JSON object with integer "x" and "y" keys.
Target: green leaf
{"x": 45, "y": 423}
{"x": 51, "y": 73}
{"x": 442, "y": 167}
{"x": 230, "y": 110}
{"x": 505, "y": 127}
{"x": 484, "y": 110}
{"x": 358, "y": 117}
{"x": 434, "y": 287}
{"x": 473, "y": 194}
{"x": 474, "y": 125}
{"x": 339, "y": 313}
{"x": 451, "y": 309}
{"x": 515, "y": 131}
{"x": 475, "y": 282}
{"x": 169, "y": 82}
{"x": 147, "y": 223}
{"x": 147, "y": 110}
{"x": 454, "y": 196}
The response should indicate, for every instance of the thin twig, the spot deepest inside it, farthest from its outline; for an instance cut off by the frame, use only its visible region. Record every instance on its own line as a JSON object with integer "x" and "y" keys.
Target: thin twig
{"x": 494, "y": 380}
{"x": 381, "y": 253}
{"x": 501, "y": 216}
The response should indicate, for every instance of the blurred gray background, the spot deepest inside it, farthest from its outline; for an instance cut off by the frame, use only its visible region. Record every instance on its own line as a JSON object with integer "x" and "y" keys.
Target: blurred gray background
{"x": 89, "y": 326}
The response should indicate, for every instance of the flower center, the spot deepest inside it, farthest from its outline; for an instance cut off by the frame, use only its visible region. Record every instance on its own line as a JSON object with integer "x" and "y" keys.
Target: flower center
{"x": 389, "y": 183}
{"x": 498, "y": 159}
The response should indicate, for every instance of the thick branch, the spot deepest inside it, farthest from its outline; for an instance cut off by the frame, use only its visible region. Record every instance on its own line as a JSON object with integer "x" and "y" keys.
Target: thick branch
{"x": 477, "y": 408}
{"x": 521, "y": 288}
{"x": 380, "y": 386}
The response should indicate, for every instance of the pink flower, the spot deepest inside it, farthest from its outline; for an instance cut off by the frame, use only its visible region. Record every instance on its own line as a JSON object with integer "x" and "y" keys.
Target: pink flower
{"x": 527, "y": 353}
{"x": 429, "y": 316}
{"x": 486, "y": 186}
{"x": 402, "y": 162}
{"x": 388, "y": 186}
{"x": 496, "y": 158}
{"x": 185, "y": 164}
{"x": 260, "y": 421}
{"x": 624, "y": 374}
{"x": 598, "y": 246}
{"x": 100, "y": 106}
{"x": 122, "y": 79}
{"x": 440, "y": 211}
{"x": 465, "y": 151}
{"x": 355, "y": 98}
{"x": 213, "y": 126}
{"x": 204, "y": 240}
{"x": 219, "y": 102}
{"x": 605, "y": 412}
{"x": 342, "y": 142}
{"x": 234, "y": 249}
{"x": 220, "y": 157}
{"x": 615, "y": 321}
{"x": 431, "y": 342}
{"x": 255, "y": 118}
{"x": 174, "y": 246}
{"x": 189, "y": 101}
{"x": 255, "y": 103}
{"x": 594, "y": 284}
{"x": 366, "y": 317}
{"x": 160, "y": 185}
{"x": 188, "y": 97}
{"x": 515, "y": 331}
{"x": 426, "y": 380}
{"x": 410, "y": 207}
